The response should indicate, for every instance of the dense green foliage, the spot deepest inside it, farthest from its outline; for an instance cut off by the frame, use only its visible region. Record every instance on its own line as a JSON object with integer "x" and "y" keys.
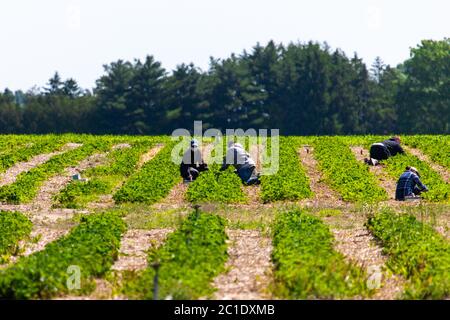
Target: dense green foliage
{"x": 300, "y": 88}
{"x": 14, "y": 226}
{"x": 395, "y": 166}
{"x": 216, "y": 186}
{"x": 26, "y": 186}
{"x": 345, "y": 174}
{"x": 436, "y": 147}
{"x": 189, "y": 260}
{"x": 290, "y": 182}
{"x": 92, "y": 246}
{"x": 415, "y": 251}
{"x": 103, "y": 179}
{"x": 438, "y": 189}
{"x": 305, "y": 263}
{"x": 153, "y": 182}
{"x": 25, "y": 152}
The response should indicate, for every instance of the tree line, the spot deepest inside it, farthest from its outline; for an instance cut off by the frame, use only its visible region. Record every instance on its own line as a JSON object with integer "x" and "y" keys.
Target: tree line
{"x": 300, "y": 88}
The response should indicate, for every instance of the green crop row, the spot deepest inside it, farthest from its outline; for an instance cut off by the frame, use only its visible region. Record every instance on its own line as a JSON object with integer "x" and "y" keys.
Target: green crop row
{"x": 438, "y": 189}
{"x": 103, "y": 179}
{"x": 305, "y": 263}
{"x": 89, "y": 249}
{"x": 415, "y": 251}
{"x": 26, "y": 186}
{"x": 188, "y": 261}
{"x": 14, "y": 226}
{"x": 344, "y": 173}
{"x": 216, "y": 186}
{"x": 395, "y": 166}
{"x": 290, "y": 182}
{"x": 25, "y": 152}
{"x": 437, "y": 147}
{"x": 153, "y": 182}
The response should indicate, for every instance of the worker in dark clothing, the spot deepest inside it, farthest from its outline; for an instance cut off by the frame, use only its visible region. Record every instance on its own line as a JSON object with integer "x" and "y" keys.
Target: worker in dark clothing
{"x": 409, "y": 186}
{"x": 384, "y": 150}
{"x": 192, "y": 163}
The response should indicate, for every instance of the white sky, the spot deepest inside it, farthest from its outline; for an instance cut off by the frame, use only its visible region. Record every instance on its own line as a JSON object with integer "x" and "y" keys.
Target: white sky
{"x": 76, "y": 37}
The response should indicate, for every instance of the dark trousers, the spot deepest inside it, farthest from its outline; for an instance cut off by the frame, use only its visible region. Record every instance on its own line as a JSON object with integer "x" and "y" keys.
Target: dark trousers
{"x": 247, "y": 174}
{"x": 379, "y": 152}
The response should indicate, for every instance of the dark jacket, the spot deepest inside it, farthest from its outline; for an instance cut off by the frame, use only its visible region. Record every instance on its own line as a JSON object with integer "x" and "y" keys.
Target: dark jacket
{"x": 408, "y": 184}
{"x": 393, "y": 147}
{"x": 199, "y": 166}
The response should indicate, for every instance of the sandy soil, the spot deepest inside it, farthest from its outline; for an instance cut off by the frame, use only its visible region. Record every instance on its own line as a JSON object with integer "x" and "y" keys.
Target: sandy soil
{"x": 445, "y": 174}
{"x": 249, "y": 267}
{"x": 384, "y": 181}
{"x": 359, "y": 246}
{"x": 324, "y": 195}
{"x": 12, "y": 173}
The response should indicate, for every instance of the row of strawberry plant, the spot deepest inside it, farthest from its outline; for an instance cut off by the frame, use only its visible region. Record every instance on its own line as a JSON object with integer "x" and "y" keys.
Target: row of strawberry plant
{"x": 153, "y": 182}
{"x": 90, "y": 249}
{"x": 352, "y": 179}
{"x": 437, "y": 147}
{"x": 27, "y": 184}
{"x": 25, "y": 152}
{"x": 416, "y": 251}
{"x": 188, "y": 261}
{"x": 395, "y": 166}
{"x": 216, "y": 186}
{"x": 305, "y": 263}
{"x": 121, "y": 164}
{"x": 290, "y": 181}
{"x": 14, "y": 226}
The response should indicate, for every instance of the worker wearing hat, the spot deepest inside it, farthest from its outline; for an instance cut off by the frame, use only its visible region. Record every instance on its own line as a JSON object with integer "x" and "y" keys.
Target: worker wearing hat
{"x": 192, "y": 163}
{"x": 242, "y": 162}
{"x": 409, "y": 186}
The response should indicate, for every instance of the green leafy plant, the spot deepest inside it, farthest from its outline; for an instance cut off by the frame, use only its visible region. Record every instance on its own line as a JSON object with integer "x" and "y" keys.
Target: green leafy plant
{"x": 188, "y": 261}
{"x": 415, "y": 251}
{"x": 14, "y": 226}
{"x": 92, "y": 246}
{"x": 344, "y": 173}
{"x": 121, "y": 163}
{"x": 25, "y": 187}
{"x": 436, "y": 146}
{"x": 290, "y": 182}
{"x": 153, "y": 182}
{"x": 216, "y": 186}
{"x": 305, "y": 263}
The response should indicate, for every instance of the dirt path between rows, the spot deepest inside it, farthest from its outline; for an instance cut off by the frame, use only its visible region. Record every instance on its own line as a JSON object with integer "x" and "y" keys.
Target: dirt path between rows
{"x": 106, "y": 201}
{"x": 445, "y": 174}
{"x": 249, "y": 266}
{"x": 132, "y": 257}
{"x": 324, "y": 195}
{"x": 12, "y": 173}
{"x": 146, "y": 157}
{"x": 384, "y": 181}
{"x": 44, "y": 199}
{"x": 176, "y": 197}
{"x": 360, "y": 247}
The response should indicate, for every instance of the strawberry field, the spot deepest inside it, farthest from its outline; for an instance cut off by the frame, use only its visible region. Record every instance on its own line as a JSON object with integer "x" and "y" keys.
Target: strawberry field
{"x": 323, "y": 226}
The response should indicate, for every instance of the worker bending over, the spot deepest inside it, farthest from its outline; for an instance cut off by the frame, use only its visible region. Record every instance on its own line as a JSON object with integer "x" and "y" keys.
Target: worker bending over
{"x": 384, "y": 150}
{"x": 192, "y": 163}
{"x": 409, "y": 186}
{"x": 241, "y": 160}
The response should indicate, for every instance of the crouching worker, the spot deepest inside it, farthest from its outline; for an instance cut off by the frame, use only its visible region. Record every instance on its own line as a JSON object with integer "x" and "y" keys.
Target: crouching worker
{"x": 244, "y": 164}
{"x": 409, "y": 186}
{"x": 192, "y": 163}
{"x": 384, "y": 150}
